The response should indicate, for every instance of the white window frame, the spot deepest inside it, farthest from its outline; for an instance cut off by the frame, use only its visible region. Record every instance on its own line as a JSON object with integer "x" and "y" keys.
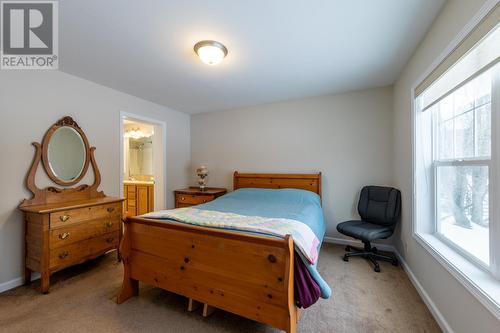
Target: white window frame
{"x": 475, "y": 278}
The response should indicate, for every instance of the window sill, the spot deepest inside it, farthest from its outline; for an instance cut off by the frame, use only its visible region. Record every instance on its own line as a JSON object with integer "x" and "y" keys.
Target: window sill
{"x": 478, "y": 282}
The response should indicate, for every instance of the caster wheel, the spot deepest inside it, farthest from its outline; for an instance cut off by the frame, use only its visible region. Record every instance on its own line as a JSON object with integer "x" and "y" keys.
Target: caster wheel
{"x": 345, "y": 258}
{"x": 395, "y": 262}
{"x": 377, "y": 269}
{"x": 348, "y": 248}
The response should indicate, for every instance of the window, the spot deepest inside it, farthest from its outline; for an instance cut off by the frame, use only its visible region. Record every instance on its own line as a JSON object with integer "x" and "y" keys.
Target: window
{"x": 457, "y": 152}
{"x": 461, "y": 163}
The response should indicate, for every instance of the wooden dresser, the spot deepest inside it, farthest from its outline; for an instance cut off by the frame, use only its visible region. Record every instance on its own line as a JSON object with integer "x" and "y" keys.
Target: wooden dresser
{"x": 139, "y": 197}
{"x": 194, "y": 196}
{"x": 67, "y": 225}
{"x": 68, "y": 233}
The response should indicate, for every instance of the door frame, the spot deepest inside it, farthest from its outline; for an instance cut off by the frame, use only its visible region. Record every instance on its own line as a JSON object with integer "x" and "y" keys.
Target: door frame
{"x": 152, "y": 121}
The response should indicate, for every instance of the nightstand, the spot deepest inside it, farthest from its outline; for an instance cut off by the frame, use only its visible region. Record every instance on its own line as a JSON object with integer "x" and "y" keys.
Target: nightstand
{"x": 194, "y": 196}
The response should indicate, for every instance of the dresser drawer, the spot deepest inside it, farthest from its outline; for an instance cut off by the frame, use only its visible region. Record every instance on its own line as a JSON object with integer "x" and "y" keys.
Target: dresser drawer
{"x": 76, "y": 232}
{"x": 80, "y": 251}
{"x": 105, "y": 211}
{"x": 130, "y": 190}
{"x": 64, "y": 218}
{"x": 67, "y": 217}
{"x": 193, "y": 199}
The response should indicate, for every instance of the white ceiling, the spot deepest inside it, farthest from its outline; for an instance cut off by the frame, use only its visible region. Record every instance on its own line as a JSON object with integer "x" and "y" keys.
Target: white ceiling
{"x": 278, "y": 49}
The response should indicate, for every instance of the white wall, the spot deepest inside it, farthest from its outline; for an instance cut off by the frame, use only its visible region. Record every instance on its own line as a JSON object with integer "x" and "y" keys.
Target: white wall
{"x": 459, "y": 308}
{"x": 347, "y": 137}
{"x": 30, "y": 102}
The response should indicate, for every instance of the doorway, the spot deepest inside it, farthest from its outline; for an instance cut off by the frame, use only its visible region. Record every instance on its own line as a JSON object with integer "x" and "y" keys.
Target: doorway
{"x": 142, "y": 164}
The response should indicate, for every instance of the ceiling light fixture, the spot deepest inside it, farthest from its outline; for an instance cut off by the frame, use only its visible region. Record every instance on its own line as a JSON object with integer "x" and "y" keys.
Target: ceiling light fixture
{"x": 210, "y": 52}
{"x": 137, "y": 133}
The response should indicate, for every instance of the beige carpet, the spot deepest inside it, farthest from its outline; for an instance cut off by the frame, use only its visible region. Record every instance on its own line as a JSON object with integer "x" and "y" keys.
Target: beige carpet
{"x": 82, "y": 300}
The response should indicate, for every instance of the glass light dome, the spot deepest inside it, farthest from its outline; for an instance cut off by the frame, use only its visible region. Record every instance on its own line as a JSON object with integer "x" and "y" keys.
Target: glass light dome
{"x": 210, "y": 52}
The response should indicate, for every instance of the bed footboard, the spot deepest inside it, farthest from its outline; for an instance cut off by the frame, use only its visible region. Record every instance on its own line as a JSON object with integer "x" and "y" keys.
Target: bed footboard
{"x": 247, "y": 275}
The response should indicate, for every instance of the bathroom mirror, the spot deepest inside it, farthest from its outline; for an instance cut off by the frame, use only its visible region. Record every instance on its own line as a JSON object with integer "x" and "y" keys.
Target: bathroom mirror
{"x": 65, "y": 152}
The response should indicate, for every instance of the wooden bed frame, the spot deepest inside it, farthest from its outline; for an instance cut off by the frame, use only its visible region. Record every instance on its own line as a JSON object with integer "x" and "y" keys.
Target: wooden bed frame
{"x": 248, "y": 275}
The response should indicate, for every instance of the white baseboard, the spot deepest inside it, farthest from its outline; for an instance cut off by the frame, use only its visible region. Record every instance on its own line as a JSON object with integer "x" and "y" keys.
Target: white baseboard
{"x": 352, "y": 242}
{"x": 16, "y": 282}
{"x": 443, "y": 324}
{"x": 11, "y": 284}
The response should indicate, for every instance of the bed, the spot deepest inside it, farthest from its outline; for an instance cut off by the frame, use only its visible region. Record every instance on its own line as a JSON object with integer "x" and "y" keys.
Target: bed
{"x": 246, "y": 273}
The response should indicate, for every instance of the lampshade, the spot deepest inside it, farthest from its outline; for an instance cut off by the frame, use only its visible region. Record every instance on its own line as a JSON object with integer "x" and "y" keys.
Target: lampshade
{"x": 210, "y": 52}
{"x": 202, "y": 170}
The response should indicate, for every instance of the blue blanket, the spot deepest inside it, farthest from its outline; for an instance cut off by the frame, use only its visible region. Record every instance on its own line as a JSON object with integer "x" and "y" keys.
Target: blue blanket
{"x": 299, "y": 205}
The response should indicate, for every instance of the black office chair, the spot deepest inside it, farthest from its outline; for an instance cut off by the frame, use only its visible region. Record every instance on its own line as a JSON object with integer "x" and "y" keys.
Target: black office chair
{"x": 380, "y": 210}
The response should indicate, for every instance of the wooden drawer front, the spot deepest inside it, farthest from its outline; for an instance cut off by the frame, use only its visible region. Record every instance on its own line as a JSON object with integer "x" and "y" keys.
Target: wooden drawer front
{"x": 64, "y": 218}
{"x": 130, "y": 191}
{"x": 193, "y": 199}
{"x": 68, "y": 217}
{"x": 80, "y": 251}
{"x": 182, "y": 205}
{"x": 81, "y": 231}
{"x": 106, "y": 211}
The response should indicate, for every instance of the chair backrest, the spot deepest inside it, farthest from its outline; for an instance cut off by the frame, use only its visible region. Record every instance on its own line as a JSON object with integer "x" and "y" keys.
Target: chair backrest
{"x": 380, "y": 205}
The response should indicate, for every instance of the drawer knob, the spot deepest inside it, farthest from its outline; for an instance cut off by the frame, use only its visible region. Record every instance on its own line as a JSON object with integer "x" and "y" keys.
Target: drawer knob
{"x": 110, "y": 209}
{"x": 109, "y": 224}
{"x": 64, "y": 218}
{"x": 64, "y": 235}
{"x": 110, "y": 240}
{"x": 182, "y": 198}
{"x": 63, "y": 255}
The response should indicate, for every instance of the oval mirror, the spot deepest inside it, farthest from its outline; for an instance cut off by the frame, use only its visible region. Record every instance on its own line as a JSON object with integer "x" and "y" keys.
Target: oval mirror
{"x": 66, "y": 154}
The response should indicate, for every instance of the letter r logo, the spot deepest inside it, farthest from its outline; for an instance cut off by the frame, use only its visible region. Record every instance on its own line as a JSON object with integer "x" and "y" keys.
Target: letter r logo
{"x": 27, "y": 28}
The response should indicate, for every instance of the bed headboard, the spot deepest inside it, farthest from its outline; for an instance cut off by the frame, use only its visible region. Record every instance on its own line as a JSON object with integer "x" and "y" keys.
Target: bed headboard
{"x": 310, "y": 181}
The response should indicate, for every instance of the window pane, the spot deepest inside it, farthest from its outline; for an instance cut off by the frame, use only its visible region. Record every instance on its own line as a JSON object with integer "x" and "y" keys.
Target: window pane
{"x": 483, "y": 88}
{"x": 464, "y": 121}
{"x": 483, "y": 130}
{"x": 464, "y": 99}
{"x": 463, "y": 211}
{"x": 446, "y": 108}
{"x": 464, "y": 135}
{"x": 446, "y": 140}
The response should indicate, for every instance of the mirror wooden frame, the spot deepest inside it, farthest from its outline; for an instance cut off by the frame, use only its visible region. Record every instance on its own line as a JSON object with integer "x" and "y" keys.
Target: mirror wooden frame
{"x": 64, "y": 122}
{"x": 54, "y": 195}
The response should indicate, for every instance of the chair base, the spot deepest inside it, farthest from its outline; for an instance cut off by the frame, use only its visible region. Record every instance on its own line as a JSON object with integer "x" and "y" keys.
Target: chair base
{"x": 371, "y": 254}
